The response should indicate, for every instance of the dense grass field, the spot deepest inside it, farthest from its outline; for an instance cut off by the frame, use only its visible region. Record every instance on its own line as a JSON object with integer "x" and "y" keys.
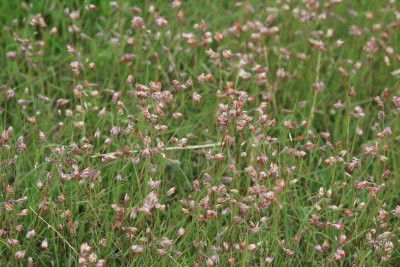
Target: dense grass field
{"x": 200, "y": 133}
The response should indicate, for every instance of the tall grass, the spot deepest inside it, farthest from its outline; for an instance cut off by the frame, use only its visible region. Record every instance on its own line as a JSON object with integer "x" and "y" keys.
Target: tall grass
{"x": 199, "y": 133}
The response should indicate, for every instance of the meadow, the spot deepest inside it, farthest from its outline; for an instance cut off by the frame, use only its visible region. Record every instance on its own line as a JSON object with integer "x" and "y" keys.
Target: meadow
{"x": 200, "y": 133}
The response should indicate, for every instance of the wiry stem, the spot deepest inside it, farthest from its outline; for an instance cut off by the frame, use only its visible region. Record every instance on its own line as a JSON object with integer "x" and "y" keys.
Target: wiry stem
{"x": 54, "y": 230}
{"x": 174, "y": 148}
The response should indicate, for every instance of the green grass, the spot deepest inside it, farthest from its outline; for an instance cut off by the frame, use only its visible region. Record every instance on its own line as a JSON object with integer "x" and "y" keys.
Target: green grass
{"x": 255, "y": 210}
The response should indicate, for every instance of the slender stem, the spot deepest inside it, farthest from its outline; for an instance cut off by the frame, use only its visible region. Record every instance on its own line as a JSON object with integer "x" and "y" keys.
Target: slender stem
{"x": 173, "y": 148}
{"x": 54, "y": 230}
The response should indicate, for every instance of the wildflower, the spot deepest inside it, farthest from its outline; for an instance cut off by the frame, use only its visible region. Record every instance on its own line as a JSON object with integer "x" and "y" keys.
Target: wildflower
{"x": 137, "y": 249}
{"x": 13, "y": 242}
{"x": 20, "y": 146}
{"x": 343, "y": 239}
{"x": 166, "y": 242}
{"x": 20, "y": 254}
{"x": 76, "y": 67}
{"x": 196, "y": 97}
{"x": 53, "y": 31}
{"x": 90, "y": 7}
{"x": 211, "y": 214}
{"x": 171, "y": 191}
{"x": 334, "y": 225}
{"x": 244, "y": 75}
{"x": 219, "y": 156}
{"x": 339, "y": 254}
{"x": 115, "y": 130}
{"x": 205, "y": 77}
{"x": 92, "y": 258}
{"x": 42, "y": 136}
{"x": 252, "y": 247}
{"x": 44, "y": 245}
{"x": 23, "y": 213}
{"x": 269, "y": 260}
{"x": 352, "y": 92}
{"x": 12, "y": 55}
{"x": 338, "y": 105}
{"x": 30, "y": 234}
{"x": 396, "y": 211}
{"x": 74, "y": 15}
{"x": 318, "y": 86}
{"x": 62, "y": 102}
{"x": 138, "y": 22}
{"x": 209, "y": 262}
{"x": 181, "y": 232}
{"x": 160, "y": 21}
{"x": 353, "y": 165}
{"x": 396, "y": 101}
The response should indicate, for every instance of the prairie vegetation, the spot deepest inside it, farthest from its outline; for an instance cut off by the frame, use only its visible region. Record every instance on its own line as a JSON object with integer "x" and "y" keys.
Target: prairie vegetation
{"x": 200, "y": 133}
